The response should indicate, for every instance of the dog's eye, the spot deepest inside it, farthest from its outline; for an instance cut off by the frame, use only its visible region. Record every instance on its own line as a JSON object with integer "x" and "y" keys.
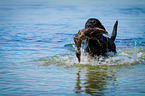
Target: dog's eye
{"x": 93, "y": 21}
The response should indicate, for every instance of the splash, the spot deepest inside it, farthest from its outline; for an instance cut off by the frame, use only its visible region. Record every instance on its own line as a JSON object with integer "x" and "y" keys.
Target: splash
{"x": 125, "y": 56}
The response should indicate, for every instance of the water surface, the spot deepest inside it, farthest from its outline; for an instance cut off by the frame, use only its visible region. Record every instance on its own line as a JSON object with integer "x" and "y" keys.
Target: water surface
{"x": 37, "y": 52}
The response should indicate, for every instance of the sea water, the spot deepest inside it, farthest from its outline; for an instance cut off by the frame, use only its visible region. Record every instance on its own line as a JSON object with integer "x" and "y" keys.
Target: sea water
{"x": 37, "y": 52}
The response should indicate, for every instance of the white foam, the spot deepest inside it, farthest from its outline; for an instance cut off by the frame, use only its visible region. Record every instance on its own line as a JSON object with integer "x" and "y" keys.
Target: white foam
{"x": 124, "y": 56}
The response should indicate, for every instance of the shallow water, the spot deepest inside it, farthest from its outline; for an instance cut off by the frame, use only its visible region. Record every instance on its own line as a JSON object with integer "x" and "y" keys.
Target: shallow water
{"x": 37, "y": 52}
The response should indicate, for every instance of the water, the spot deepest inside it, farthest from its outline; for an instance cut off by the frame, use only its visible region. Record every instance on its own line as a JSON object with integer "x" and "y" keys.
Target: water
{"x": 37, "y": 52}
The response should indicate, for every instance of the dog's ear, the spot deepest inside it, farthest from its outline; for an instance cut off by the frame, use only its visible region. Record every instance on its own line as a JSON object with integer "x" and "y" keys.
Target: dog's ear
{"x": 114, "y": 32}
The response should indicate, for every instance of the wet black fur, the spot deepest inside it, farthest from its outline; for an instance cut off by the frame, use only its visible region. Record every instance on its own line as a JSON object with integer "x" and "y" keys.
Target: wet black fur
{"x": 92, "y": 47}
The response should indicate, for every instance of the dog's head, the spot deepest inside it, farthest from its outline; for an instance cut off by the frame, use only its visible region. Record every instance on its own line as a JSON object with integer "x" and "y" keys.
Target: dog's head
{"x": 93, "y": 22}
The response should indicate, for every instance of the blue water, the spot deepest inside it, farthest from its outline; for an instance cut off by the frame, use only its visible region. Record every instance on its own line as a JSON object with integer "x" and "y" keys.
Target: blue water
{"x": 37, "y": 52}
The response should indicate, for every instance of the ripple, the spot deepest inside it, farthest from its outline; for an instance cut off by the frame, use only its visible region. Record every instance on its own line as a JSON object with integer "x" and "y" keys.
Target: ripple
{"x": 133, "y": 10}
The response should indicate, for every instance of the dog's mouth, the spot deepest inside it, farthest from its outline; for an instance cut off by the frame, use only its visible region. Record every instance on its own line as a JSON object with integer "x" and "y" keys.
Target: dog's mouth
{"x": 103, "y": 31}
{"x": 99, "y": 31}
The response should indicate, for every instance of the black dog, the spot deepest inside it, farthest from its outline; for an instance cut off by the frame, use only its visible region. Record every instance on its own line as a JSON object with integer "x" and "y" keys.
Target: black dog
{"x": 105, "y": 44}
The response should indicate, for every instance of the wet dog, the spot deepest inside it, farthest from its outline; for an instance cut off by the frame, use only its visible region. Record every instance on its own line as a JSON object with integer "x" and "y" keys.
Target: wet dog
{"x": 93, "y": 47}
{"x": 96, "y": 44}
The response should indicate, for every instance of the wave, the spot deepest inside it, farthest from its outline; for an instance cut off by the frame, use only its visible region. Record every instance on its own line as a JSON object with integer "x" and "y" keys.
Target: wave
{"x": 125, "y": 56}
